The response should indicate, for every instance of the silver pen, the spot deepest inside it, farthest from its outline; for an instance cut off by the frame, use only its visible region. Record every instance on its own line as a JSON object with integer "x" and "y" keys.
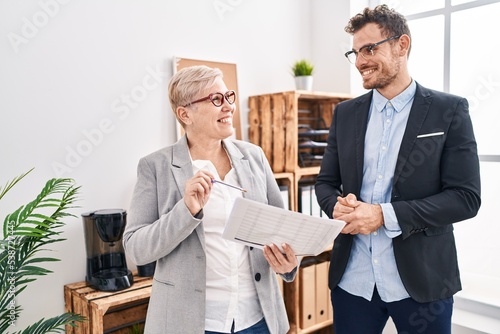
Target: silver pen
{"x": 229, "y": 185}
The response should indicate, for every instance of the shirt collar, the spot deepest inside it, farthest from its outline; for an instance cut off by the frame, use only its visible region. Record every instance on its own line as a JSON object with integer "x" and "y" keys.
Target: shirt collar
{"x": 398, "y": 102}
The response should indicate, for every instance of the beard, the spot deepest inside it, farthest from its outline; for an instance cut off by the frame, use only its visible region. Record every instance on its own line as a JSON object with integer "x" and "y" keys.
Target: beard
{"x": 387, "y": 74}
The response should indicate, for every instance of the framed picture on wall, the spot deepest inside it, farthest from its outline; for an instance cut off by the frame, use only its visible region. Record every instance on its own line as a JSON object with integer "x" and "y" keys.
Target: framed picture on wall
{"x": 230, "y": 79}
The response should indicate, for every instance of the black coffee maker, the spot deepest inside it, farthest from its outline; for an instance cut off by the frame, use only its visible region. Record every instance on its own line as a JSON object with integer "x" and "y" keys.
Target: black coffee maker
{"x": 106, "y": 264}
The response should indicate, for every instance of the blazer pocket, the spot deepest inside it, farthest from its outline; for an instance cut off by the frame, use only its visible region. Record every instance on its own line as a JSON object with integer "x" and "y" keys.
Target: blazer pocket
{"x": 433, "y": 134}
{"x": 161, "y": 281}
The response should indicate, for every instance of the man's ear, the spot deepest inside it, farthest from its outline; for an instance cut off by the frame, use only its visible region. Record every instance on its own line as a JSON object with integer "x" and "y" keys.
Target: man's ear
{"x": 184, "y": 115}
{"x": 404, "y": 45}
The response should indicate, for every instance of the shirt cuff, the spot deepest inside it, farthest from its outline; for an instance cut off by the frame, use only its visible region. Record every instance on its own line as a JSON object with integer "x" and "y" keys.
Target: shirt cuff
{"x": 391, "y": 224}
{"x": 199, "y": 215}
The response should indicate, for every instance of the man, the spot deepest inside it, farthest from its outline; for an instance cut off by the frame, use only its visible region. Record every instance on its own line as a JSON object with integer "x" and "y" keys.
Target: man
{"x": 400, "y": 168}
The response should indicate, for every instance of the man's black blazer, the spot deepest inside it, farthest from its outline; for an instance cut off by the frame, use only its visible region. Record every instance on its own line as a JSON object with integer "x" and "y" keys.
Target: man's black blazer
{"x": 436, "y": 183}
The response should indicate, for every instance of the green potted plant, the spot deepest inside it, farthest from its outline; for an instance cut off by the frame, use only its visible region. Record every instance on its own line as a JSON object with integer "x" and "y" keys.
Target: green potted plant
{"x": 26, "y": 232}
{"x": 302, "y": 71}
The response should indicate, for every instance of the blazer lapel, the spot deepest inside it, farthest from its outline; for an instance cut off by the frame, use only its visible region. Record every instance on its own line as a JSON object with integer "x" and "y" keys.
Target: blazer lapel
{"x": 361, "y": 111}
{"x": 242, "y": 169}
{"x": 182, "y": 168}
{"x": 418, "y": 114}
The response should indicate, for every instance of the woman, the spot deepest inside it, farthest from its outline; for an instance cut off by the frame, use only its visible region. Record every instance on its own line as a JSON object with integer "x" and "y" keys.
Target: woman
{"x": 204, "y": 283}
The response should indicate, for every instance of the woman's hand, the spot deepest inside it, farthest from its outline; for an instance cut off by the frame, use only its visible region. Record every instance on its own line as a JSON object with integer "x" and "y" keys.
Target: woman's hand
{"x": 281, "y": 263}
{"x": 197, "y": 191}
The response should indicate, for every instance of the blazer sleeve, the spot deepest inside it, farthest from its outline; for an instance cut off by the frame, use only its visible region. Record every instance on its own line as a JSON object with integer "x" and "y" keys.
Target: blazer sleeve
{"x": 440, "y": 182}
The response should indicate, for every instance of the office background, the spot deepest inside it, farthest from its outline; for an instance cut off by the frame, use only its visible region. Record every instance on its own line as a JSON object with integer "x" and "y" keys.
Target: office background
{"x": 83, "y": 95}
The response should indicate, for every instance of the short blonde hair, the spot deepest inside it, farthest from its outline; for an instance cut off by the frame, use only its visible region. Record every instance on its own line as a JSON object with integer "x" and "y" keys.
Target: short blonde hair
{"x": 187, "y": 84}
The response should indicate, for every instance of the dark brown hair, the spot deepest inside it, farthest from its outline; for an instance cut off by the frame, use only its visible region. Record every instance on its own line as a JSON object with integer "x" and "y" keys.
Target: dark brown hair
{"x": 390, "y": 22}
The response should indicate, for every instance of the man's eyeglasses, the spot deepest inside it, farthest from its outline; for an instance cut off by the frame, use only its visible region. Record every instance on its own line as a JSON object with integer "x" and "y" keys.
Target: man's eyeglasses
{"x": 366, "y": 51}
{"x": 217, "y": 99}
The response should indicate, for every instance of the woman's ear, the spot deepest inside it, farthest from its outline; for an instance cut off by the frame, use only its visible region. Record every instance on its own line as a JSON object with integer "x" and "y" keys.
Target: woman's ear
{"x": 183, "y": 115}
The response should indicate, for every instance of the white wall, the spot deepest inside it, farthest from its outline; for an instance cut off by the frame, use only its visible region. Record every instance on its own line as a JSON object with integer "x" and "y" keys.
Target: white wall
{"x": 83, "y": 92}
{"x": 329, "y": 42}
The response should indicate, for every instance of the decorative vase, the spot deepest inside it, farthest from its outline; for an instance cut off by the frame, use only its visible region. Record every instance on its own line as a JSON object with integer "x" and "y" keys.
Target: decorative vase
{"x": 304, "y": 82}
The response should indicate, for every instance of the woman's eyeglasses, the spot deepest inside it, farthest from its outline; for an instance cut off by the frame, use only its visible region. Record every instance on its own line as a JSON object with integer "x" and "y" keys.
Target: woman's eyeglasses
{"x": 217, "y": 99}
{"x": 366, "y": 51}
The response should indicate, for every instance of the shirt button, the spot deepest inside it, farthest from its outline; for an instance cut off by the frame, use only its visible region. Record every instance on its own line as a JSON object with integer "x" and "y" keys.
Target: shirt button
{"x": 375, "y": 261}
{"x": 375, "y": 233}
{"x": 380, "y": 177}
{"x": 257, "y": 277}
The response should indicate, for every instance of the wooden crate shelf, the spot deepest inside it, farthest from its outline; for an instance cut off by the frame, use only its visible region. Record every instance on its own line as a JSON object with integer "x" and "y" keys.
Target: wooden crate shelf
{"x": 108, "y": 312}
{"x": 274, "y": 123}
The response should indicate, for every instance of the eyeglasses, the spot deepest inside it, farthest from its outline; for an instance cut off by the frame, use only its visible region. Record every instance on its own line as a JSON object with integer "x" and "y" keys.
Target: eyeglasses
{"x": 366, "y": 51}
{"x": 217, "y": 99}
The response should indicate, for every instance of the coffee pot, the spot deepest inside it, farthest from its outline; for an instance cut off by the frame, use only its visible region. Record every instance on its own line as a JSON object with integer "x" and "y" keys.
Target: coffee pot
{"x": 106, "y": 263}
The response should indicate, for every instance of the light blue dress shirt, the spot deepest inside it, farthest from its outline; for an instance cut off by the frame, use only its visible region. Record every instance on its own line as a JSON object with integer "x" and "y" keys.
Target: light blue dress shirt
{"x": 372, "y": 261}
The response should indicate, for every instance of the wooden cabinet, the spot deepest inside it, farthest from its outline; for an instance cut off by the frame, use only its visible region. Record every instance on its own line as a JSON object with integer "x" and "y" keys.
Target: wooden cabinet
{"x": 292, "y": 129}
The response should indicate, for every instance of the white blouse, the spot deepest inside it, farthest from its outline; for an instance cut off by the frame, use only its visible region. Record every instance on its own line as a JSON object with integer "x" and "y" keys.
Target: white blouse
{"x": 230, "y": 290}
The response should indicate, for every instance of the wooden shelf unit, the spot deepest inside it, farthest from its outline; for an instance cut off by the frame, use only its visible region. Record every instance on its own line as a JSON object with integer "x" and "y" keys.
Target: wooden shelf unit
{"x": 275, "y": 121}
{"x": 288, "y": 179}
{"x": 293, "y": 296}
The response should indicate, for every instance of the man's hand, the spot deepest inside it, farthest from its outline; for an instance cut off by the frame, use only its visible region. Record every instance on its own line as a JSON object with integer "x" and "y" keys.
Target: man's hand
{"x": 361, "y": 218}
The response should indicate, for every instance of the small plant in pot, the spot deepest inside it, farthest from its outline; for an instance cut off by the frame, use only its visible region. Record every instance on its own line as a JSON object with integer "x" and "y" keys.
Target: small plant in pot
{"x": 302, "y": 71}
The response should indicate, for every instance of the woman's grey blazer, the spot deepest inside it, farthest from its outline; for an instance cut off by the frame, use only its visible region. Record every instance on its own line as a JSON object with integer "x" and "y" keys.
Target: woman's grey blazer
{"x": 160, "y": 228}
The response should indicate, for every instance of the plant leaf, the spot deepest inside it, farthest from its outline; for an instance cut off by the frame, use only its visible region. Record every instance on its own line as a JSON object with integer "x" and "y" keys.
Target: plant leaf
{"x": 53, "y": 325}
{"x": 12, "y": 183}
{"x": 26, "y": 231}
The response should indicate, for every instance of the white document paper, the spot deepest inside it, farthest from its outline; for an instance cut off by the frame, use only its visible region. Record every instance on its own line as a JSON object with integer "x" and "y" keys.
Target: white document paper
{"x": 257, "y": 224}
